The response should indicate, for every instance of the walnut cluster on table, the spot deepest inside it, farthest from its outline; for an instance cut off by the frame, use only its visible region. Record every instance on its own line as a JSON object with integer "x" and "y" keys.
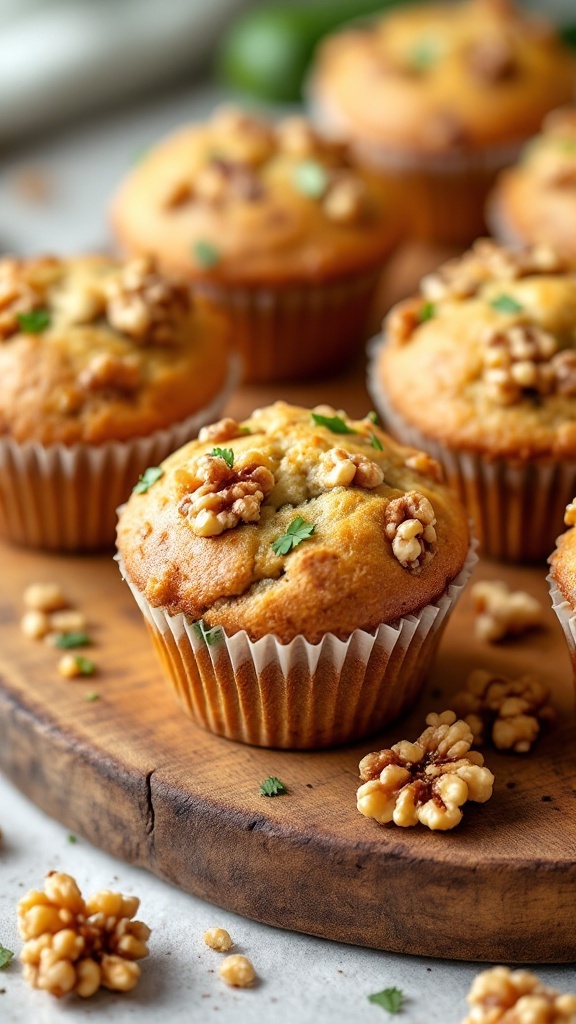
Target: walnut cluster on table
{"x": 508, "y": 712}
{"x": 502, "y": 996}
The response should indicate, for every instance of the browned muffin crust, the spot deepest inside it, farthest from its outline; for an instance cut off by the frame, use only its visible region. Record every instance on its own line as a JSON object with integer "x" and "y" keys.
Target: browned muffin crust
{"x": 347, "y": 574}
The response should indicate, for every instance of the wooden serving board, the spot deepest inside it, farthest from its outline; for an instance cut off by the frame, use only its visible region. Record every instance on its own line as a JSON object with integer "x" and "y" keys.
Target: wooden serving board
{"x": 133, "y": 775}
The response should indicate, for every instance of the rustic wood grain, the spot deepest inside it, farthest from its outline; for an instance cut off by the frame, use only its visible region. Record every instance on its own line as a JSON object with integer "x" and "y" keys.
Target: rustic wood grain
{"x": 135, "y": 777}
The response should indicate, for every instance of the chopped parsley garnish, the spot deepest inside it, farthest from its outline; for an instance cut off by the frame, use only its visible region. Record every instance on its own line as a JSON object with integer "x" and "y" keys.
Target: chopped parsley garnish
{"x": 206, "y": 254}
{"x": 334, "y": 423}
{"x": 426, "y": 312}
{"x": 506, "y": 304}
{"x": 272, "y": 787}
{"x": 73, "y": 639}
{"x": 92, "y": 697}
{"x": 85, "y": 666}
{"x": 376, "y": 443}
{"x": 424, "y": 54}
{"x": 5, "y": 957}
{"x": 311, "y": 179}
{"x": 298, "y": 531}
{"x": 224, "y": 453}
{"x": 372, "y": 416}
{"x": 210, "y": 636}
{"x": 390, "y": 999}
{"x": 72, "y": 838}
{"x": 35, "y": 322}
{"x": 148, "y": 477}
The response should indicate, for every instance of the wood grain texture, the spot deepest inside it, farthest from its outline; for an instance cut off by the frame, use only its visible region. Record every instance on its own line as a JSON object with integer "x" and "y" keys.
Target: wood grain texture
{"x": 135, "y": 777}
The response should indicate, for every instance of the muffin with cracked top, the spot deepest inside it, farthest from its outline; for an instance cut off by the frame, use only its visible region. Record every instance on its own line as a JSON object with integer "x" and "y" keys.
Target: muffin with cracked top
{"x": 295, "y": 571}
{"x": 104, "y": 369}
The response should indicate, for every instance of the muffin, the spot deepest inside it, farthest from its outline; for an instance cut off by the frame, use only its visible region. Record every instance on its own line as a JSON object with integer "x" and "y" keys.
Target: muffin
{"x": 295, "y": 572}
{"x": 562, "y": 580}
{"x": 438, "y": 98}
{"x": 534, "y": 202}
{"x": 479, "y": 369}
{"x": 105, "y": 368}
{"x": 276, "y": 228}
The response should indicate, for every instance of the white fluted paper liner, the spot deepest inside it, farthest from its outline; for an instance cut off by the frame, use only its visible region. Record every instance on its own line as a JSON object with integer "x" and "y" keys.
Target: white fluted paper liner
{"x": 299, "y": 695}
{"x": 65, "y": 498}
{"x": 517, "y": 507}
{"x": 566, "y": 615}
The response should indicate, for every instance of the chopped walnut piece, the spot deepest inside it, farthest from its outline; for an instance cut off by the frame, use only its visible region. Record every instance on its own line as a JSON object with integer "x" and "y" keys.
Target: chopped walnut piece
{"x": 410, "y": 522}
{"x": 19, "y": 293}
{"x": 518, "y": 360}
{"x": 570, "y": 514}
{"x": 80, "y": 301}
{"x": 224, "y": 430}
{"x": 501, "y": 612}
{"x": 237, "y": 970}
{"x": 297, "y": 137}
{"x": 422, "y": 463}
{"x": 488, "y": 261}
{"x": 45, "y": 597}
{"x": 345, "y": 200}
{"x": 219, "y": 496}
{"x": 221, "y": 180}
{"x": 177, "y": 193}
{"x": 219, "y": 939}
{"x": 426, "y": 781}
{"x": 403, "y": 319}
{"x": 339, "y": 468}
{"x": 491, "y": 60}
{"x": 564, "y": 367}
{"x": 502, "y": 996}
{"x": 145, "y": 305}
{"x": 108, "y": 372}
{"x": 507, "y": 711}
{"x": 245, "y": 138}
{"x": 77, "y": 945}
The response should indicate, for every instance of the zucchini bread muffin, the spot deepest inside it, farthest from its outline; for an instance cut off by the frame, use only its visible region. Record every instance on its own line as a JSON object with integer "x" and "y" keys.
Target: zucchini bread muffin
{"x": 479, "y": 369}
{"x": 562, "y": 580}
{"x": 105, "y": 368}
{"x": 275, "y": 226}
{"x": 438, "y": 98}
{"x": 534, "y": 202}
{"x": 295, "y": 572}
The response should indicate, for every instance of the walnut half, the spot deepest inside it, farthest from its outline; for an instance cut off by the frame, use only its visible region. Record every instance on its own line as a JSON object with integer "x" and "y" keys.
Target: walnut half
{"x": 220, "y": 496}
{"x": 409, "y": 523}
{"x": 427, "y": 781}
{"x": 502, "y": 996}
{"x": 507, "y": 711}
{"x": 77, "y": 945}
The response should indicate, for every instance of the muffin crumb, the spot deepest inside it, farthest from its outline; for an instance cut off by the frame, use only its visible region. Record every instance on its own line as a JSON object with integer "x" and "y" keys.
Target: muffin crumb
{"x": 237, "y": 971}
{"x": 517, "y": 997}
{"x": 509, "y": 712}
{"x": 501, "y": 612}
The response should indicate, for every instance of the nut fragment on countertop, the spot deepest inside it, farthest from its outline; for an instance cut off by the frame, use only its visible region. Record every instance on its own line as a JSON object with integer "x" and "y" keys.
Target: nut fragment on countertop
{"x": 219, "y": 939}
{"x": 237, "y": 970}
{"x": 427, "y": 781}
{"x": 77, "y": 945}
{"x": 501, "y": 612}
{"x": 410, "y": 525}
{"x": 502, "y": 996}
{"x": 509, "y": 712}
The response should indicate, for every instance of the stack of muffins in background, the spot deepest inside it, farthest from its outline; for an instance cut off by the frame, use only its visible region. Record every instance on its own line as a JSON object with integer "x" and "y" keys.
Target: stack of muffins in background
{"x": 296, "y": 569}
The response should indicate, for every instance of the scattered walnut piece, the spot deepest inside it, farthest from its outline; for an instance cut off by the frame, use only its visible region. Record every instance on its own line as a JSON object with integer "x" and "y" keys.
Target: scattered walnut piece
{"x": 219, "y": 497}
{"x": 35, "y": 624}
{"x": 509, "y": 712}
{"x": 403, "y": 319}
{"x": 219, "y": 939}
{"x": 345, "y": 200}
{"x": 76, "y": 945}
{"x": 518, "y": 360}
{"x": 339, "y": 468}
{"x": 501, "y": 612}
{"x": 502, "y": 996}
{"x": 106, "y": 371}
{"x": 488, "y": 261}
{"x": 245, "y": 138}
{"x": 427, "y": 781}
{"x": 409, "y": 523}
{"x": 45, "y": 597}
{"x": 422, "y": 463}
{"x": 144, "y": 304}
{"x": 237, "y": 970}
{"x": 570, "y": 514}
{"x": 224, "y": 430}
{"x": 491, "y": 59}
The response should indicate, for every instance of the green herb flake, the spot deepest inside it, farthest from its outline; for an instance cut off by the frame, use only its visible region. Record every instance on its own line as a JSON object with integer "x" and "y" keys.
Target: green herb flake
{"x": 72, "y": 838}
{"x": 92, "y": 697}
{"x": 334, "y": 423}
{"x": 85, "y": 666}
{"x": 376, "y": 443}
{"x": 224, "y": 453}
{"x": 148, "y": 477}
{"x": 424, "y": 55}
{"x": 311, "y": 179}
{"x": 390, "y": 999}
{"x": 206, "y": 254}
{"x": 5, "y": 957}
{"x": 35, "y": 322}
{"x": 272, "y": 787}
{"x": 426, "y": 312}
{"x": 372, "y": 416}
{"x": 74, "y": 639}
{"x": 506, "y": 304}
{"x": 298, "y": 531}
{"x": 210, "y": 636}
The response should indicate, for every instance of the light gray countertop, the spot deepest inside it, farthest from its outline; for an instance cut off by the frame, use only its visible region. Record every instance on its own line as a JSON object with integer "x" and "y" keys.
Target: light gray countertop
{"x": 301, "y": 979}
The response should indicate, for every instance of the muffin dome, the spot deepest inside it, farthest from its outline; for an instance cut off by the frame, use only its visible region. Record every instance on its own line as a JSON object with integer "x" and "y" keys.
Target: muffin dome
{"x": 294, "y": 523}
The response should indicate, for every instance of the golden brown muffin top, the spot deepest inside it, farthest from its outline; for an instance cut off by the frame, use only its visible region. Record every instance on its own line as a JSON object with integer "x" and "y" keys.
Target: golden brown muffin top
{"x": 484, "y": 357}
{"x": 238, "y": 199}
{"x": 435, "y": 78}
{"x": 294, "y": 522}
{"x": 536, "y": 199}
{"x": 563, "y": 559}
{"x": 96, "y": 350}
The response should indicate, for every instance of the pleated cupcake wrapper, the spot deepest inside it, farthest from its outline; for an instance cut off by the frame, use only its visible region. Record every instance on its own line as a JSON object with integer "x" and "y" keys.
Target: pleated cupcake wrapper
{"x": 65, "y": 498}
{"x": 566, "y": 616}
{"x": 294, "y": 332}
{"x": 517, "y": 508}
{"x": 299, "y": 695}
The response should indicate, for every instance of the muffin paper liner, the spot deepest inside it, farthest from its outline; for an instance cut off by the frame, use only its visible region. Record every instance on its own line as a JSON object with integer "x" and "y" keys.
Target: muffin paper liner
{"x": 517, "y": 508}
{"x": 299, "y": 695}
{"x": 566, "y": 616}
{"x": 64, "y": 498}
{"x": 294, "y": 332}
